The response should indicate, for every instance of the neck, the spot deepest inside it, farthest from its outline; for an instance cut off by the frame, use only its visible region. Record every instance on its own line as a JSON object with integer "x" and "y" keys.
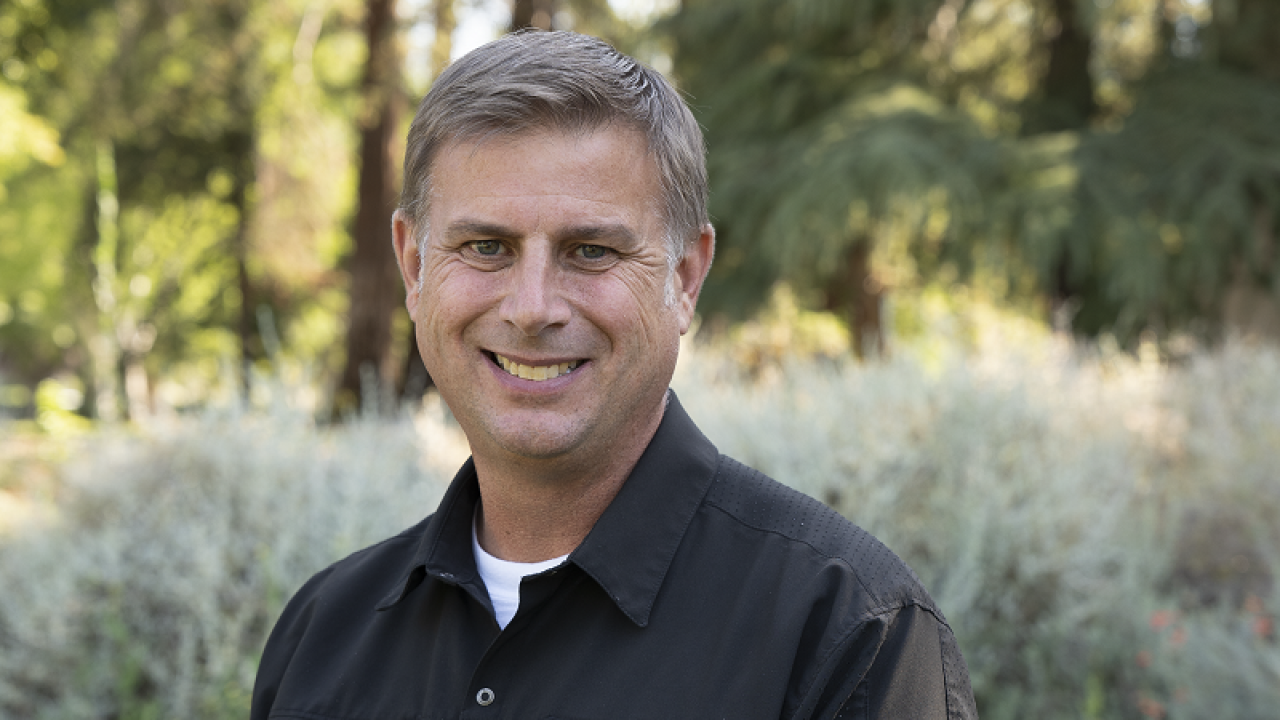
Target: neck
{"x": 537, "y": 509}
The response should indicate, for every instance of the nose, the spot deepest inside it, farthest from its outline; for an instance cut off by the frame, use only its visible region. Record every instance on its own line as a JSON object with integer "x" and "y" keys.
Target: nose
{"x": 534, "y": 301}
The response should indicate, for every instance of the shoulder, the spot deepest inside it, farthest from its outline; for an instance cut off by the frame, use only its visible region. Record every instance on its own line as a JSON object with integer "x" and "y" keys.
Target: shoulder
{"x": 320, "y": 612}
{"x": 371, "y": 569}
{"x": 357, "y": 582}
{"x": 783, "y": 515}
{"x": 884, "y": 648}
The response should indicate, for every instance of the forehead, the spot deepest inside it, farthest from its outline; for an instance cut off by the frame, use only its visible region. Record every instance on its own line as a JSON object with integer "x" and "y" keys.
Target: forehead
{"x": 602, "y": 172}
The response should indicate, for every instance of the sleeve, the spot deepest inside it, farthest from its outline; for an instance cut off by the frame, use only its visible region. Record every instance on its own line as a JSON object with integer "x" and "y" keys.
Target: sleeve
{"x": 901, "y": 666}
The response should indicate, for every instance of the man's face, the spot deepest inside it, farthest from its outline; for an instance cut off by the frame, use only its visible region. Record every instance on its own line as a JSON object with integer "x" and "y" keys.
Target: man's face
{"x": 540, "y": 309}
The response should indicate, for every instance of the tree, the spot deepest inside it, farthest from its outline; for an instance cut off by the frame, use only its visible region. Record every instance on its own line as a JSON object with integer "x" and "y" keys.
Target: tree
{"x": 415, "y": 379}
{"x": 1118, "y": 151}
{"x": 376, "y": 295}
{"x": 1064, "y": 97}
{"x": 827, "y": 147}
{"x": 155, "y": 246}
{"x": 1174, "y": 211}
{"x": 533, "y": 14}
{"x": 144, "y": 134}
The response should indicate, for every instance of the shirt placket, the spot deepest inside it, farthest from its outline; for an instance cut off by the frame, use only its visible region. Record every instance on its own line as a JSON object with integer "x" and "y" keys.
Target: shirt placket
{"x": 500, "y": 686}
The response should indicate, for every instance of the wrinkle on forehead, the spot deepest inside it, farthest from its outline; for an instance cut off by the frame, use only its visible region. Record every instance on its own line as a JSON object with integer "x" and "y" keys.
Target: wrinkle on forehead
{"x": 567, "y": 186}
{"x": 566, "y": 175}
{"x": 553, "y": 134}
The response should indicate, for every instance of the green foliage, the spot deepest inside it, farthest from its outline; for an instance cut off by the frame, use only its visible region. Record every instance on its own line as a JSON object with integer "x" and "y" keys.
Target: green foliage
{"x": 55, "y": 405}
{"x": 38, "y": 272}
{"x": 29, "y": 138}
{"x": 834, "y": 126}
{"x": 1179, "y": 203}
{"x": 910, "y": 126}
{"x": 892, "y": 162}
{"x": 228, "y": 136}
{"x": 822, "y": 136}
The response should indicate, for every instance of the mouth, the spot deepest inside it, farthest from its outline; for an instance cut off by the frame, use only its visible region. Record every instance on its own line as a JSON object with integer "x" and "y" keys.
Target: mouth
{"x": 537, "y": 373}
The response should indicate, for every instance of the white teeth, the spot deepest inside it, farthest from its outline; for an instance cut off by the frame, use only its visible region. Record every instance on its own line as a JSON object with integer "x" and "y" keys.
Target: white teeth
{"x": 535, "y": 372}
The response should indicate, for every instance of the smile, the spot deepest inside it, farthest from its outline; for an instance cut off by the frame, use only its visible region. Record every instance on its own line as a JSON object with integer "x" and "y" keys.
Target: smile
{"x": 535, "y": 372}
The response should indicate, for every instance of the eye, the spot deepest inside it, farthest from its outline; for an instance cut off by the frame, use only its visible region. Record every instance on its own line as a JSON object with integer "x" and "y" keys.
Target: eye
{"x": 592, "y": 252}
{"x": 487, "y": 247}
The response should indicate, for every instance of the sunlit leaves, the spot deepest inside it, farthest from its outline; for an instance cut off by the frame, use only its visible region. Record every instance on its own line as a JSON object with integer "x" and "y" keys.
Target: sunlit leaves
{"x": 28, "y": 138}
{"x": 208, "y": 123}
{"x": 40, "y": 270}
{"x": 868, "y": 167}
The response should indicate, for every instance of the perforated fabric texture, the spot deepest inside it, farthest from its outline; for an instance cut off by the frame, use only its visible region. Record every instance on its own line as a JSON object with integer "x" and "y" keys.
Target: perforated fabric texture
{"x": 956, "y": 673}
{"x": 762, "y": 503}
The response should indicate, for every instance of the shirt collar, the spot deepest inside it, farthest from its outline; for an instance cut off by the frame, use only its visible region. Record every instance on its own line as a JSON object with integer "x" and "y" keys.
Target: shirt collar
{"x": 631, "y": 546}
{"x": 444, "y": 551}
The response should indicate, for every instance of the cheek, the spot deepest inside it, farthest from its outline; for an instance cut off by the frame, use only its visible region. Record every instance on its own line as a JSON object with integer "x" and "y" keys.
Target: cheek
{"x": 450, "y": 292}
{"x": 631, "y": 307}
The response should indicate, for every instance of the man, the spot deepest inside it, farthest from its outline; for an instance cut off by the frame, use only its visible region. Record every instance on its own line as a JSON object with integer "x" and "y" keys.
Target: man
{"x": 596, "y": 557}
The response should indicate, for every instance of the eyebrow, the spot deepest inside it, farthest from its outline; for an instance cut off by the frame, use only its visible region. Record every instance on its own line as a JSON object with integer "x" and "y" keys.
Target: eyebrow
{"x": 463, "y": 229}
{"x": 614, "y": 231}
{"x": 473, "y": 228}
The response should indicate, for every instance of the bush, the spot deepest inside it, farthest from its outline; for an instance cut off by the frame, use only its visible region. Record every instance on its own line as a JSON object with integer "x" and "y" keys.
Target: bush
{"x": 173, "y": 550}
{"x": 1054, "y": 499}
{"x": 1100, "y": 529}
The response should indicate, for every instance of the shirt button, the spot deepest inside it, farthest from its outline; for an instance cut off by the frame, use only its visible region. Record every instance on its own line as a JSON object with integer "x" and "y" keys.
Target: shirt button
{"x": 485, "y": 696}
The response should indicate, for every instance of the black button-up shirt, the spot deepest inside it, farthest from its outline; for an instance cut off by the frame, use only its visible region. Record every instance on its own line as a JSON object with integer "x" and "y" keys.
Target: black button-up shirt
{"x": 705, "y": 590}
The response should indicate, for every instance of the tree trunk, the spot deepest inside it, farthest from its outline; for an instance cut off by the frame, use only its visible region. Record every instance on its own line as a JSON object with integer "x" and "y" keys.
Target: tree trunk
{"x": 242, "y": 146}
{"x": 446, "y": 21}
{"x": 1065, "y": 100}
{"x": 855, "y": 294}
{"x": 376, "y": 292}
{"x": 415, "y": 380}
{"x": 533, "y": 14}
{"x": 105, "y": 347}
{"x": 1245, "y": 36}
{"x": 1068, "y": 84}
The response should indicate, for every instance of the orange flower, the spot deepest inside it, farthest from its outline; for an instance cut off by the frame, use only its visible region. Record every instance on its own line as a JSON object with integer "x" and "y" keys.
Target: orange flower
{"x": 1143, "y": 659}
{"x": 1263, "y": 626}
{"x": 1162, "y": 619}
{"x": 1150, "y": 707}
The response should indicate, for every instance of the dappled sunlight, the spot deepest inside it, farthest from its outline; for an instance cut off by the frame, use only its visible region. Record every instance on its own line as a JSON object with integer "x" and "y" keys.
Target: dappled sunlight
{"x": 20, "y": 514}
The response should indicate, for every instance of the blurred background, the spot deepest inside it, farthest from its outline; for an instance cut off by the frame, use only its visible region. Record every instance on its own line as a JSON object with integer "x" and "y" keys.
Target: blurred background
{"x": 997, "y": 279}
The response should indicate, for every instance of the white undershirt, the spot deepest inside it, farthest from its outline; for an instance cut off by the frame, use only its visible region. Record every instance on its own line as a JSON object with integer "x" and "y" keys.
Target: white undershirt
{"x": 502, "y": 578}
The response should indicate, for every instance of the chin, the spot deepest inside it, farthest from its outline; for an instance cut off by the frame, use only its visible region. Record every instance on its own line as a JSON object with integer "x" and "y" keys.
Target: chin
{"x": 536, "y": 441}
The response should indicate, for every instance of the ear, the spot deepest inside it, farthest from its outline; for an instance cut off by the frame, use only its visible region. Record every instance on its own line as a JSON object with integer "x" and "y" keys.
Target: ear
{"x": 691, "y": 272}
{"x": 406, "y": 248}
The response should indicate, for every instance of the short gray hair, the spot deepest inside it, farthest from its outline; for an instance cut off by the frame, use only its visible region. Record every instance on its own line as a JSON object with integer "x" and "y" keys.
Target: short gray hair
{"x": 535, "y": 80}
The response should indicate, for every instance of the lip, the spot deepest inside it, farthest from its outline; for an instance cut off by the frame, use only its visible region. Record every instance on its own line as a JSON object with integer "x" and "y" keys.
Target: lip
{"x": 535, "y": 386}
{"x": 534, "y": 362}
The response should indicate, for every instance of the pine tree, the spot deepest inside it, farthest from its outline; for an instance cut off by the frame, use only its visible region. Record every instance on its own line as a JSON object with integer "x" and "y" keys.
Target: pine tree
{"x": 826, "y": 146}
{"x": 376, "y": 295}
